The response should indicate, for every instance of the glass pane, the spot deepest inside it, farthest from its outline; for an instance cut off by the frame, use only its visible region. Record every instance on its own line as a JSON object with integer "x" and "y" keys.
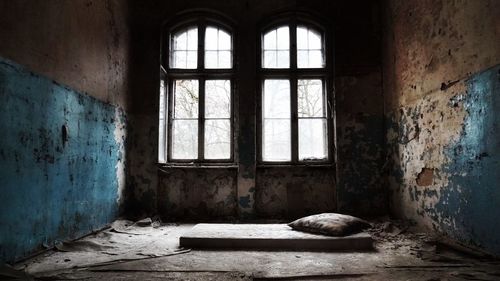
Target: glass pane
{"x": 224, "y": 59}
{"x": 180, "y": 41}
{"x": 302, "y": 59}
{"x": 217, "y": 139}
{"x": 218, "y": 99}
{"x": 283, "y": 38}
{"x": 192, "y": 59}
{"x": 184, "y": 49}
{"x": 269, "y": 59}
{"x": 162, "y": 121}
{"x": 224, "y": 40}
{"x": 276, "y": 140}
{"x": 283, "y": 59}
{"x": 185, "y": 139}
{"x": 186, "y": 99}
{"x": 315, "y": 59}
{"x": 310, "y": 98}
{"x": 276, "y": 48}
{"x": 276, "y": 99}
{"x": 302, "y": 38}
{"x": 179, "y": 59}
{"x": 312, "y": 139}
{"x": 314, "y": 40}
{"x": 192, "y": 40}
{"x": 270, "y": 40}
{"x": 211, "y": 38}
{"x": 211, "y": 59}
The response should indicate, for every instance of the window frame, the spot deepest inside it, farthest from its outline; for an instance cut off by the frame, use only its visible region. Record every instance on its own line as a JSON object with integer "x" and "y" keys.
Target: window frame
{"x": 169, "y": 75}
{"x": 293, "y": 74}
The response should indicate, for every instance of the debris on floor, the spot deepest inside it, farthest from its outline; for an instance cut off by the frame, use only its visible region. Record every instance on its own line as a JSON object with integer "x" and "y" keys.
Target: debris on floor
{"x": 127, "y": 251}
{"x": 123, "y": 241}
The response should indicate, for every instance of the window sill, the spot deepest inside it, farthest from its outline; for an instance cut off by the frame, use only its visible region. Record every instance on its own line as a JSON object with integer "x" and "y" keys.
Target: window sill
{"x": 162, "y": 166}
{"x": 292, "y": 165}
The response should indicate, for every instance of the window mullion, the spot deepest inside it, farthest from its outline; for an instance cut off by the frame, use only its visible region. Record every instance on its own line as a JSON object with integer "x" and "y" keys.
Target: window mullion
{"x": 201, "y": 120}
{"x": 170, "y": 106}
{"x": 293, "y": 91}
{"x": 295, "y": 133}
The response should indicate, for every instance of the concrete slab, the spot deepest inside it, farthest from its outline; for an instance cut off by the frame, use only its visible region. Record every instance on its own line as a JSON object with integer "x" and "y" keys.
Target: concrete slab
{"x": 268, "y": 236}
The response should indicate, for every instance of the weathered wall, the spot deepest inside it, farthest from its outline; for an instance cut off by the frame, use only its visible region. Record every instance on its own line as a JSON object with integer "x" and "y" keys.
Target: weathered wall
{"x": 293, "y": 193}
{"x": 442, "y": 93}
{"x": 268, "y": 192}
{"x": 361, "y": 144}
{"x": 79, "y": 43}
{"x": 62, "y": 156}
{"x": 182, "y": 194}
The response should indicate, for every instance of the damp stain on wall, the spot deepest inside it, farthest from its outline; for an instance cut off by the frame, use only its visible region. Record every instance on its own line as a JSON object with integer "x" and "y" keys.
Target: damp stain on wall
{"x": 61, "y": 156}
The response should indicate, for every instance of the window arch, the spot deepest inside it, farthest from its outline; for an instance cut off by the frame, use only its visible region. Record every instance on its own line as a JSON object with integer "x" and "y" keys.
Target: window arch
{"x": 296, "y": 124}
{"x": 196, "y": 93}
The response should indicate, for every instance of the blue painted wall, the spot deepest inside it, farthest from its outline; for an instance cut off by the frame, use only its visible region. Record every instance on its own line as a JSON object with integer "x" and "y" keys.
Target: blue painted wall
{"x": 53, "y": 187}
{"x": 472, "y": 198}
{"x": 462, "y": 199}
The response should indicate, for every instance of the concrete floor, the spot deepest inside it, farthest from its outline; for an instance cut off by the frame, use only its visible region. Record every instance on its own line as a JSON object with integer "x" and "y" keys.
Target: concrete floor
{"x": 398, "y": 255}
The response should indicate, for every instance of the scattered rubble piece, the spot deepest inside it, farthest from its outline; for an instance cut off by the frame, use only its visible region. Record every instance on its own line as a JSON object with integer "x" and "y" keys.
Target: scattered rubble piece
{"x": 144, "y": 222}
{"x": 9, "y": 273}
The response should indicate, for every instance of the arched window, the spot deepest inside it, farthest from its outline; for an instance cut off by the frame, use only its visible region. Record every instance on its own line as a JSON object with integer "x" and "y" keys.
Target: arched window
{"x": 196, "y": 99}
{"x": 295, "y": 73}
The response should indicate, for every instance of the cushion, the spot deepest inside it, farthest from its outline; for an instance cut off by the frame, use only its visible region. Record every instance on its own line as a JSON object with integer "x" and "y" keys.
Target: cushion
{"x": 331, "y": 224}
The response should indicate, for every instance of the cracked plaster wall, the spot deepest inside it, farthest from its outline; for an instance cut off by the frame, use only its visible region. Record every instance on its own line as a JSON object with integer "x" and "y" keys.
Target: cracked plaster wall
{"x": 442, "y": 92}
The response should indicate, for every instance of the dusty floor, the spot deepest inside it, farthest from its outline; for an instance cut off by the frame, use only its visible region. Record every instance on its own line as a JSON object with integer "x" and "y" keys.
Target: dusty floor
{"x": 151, "y": 252}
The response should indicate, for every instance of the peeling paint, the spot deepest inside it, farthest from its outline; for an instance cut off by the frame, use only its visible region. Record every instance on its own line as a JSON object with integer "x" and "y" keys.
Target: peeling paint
{"x": 192, "y": 193}
{"x": 54, "y": 187}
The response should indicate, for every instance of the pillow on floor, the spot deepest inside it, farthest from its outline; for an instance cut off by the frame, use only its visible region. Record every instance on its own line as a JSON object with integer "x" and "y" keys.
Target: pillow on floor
{"x": 331, "y": 224}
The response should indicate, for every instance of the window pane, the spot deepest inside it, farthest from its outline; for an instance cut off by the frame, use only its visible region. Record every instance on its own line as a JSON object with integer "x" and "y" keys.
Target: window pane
{"x": 314, "y": 40}
{"x": 269, "y": 59}
{"x": 180, "y": 41}
{"x": 211, "y": 59}
{"x": 276, "y": 48}
{"x": 211, "y": 38}
{"x": 283, "y": 59}
{"x": 224, "y": 40}
{"x": 217, "y": 139}
{"x": 283, "y": 38}
{"x": 302, "y": 59}
{"x": 179, "y": 59}
{"x": 185, "y": 139}
{"x": 184, "y": 49}
{"x": 302, "y": 38}
{"x": 270, "y": 40}
{"x": 217, "y": 99}
{"x": 315, "y": 59}
{"x": 313, "y": 139}
{"x": 218, "y": 48}
{"x": 192, "y": 40}
{"x": 186, "y": 99}
{"x": 310, "y": 98}
{"x": 276, "y": 140}
{"x": 224, "y": 59}
{"x": 191, "y": 60}
{"x": 162, "y": 123}
{"x": 276, "y": 99}
{"x": 309, "y": 48}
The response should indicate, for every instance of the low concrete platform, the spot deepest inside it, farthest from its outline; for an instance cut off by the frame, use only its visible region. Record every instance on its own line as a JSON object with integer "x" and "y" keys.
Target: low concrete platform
{"x": 268, "y": 236}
